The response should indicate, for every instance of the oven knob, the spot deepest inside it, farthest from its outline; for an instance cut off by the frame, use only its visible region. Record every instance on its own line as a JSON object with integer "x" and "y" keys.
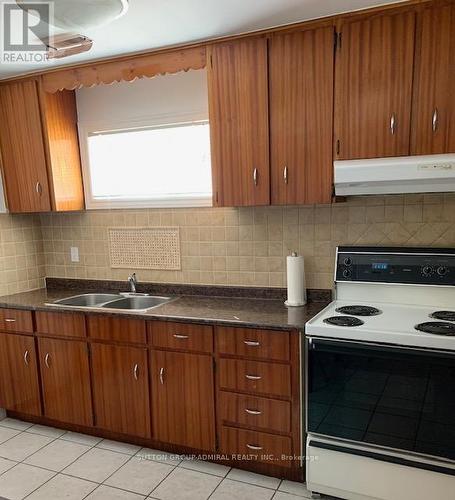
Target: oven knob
{"x": 427, "y": 270}
{"x": 347, "y": 261}
{"x": 442, "y": 271}
{"x": 347, "y": 273}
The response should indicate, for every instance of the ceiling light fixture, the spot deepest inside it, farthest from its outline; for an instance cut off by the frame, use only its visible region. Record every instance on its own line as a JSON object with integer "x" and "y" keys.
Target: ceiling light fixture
{"x": 81, "y": 14}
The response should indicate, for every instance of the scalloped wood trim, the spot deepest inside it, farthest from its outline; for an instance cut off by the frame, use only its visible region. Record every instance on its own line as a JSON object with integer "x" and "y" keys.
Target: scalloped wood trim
{"x": 125, "y": 70}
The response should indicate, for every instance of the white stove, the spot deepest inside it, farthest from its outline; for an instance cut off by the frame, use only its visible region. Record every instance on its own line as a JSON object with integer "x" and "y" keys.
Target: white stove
{"x": 380, "y": 369}
{"x": 394, "y": 324}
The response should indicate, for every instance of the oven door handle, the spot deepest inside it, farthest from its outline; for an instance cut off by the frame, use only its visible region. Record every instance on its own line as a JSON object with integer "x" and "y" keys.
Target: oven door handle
{"x": 317, "y": 343}
{"x": 391, "y": 459}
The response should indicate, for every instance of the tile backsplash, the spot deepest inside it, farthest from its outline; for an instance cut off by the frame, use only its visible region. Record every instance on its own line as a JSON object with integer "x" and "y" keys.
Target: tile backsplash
{"x": 248, "y": 246}
{"x": 22, "y": 265}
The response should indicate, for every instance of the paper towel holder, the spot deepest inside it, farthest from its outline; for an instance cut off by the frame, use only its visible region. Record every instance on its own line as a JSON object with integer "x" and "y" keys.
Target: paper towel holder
{"x": 301, "y": 301}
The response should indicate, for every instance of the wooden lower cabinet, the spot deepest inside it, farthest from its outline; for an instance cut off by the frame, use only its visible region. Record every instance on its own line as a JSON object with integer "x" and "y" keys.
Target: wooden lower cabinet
{"x": 65, "y": 377}
{"x": 19, "y": 383}
{"x": 183, "y": 409}
{"x": 259, "y": 446}
{"x": 121, "y": 389}
{"x": 252, "y": 411}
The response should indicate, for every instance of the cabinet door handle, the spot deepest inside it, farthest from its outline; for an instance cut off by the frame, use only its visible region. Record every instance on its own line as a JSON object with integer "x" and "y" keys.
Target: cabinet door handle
{"x": 162, "y": 376}
{"x": 285, "y": 174}
{"x": 136, "y": 371}
{"x": 46, "y": 359}
{"x": 393, "y": 124}
{"x": 253, "y": 377}
{"x": 253, "y": 447}
{"x": 26, "y": 355}
{"x": 10, "y": 320}
{"x": 434, "y": 120}
{"x": 252, "y": 343}
{"x": 39, "y": 188}
{"x": 253, "y": 412}
{"x": 255, "y": 176}
{"x": 178, "y": 336}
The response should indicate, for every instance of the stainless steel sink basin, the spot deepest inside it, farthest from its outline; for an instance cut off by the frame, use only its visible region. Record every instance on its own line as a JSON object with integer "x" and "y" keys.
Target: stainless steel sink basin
{"x": 87, "y": 299}
{"x": 132, "y": 302}
{"x": 137, "y": 303}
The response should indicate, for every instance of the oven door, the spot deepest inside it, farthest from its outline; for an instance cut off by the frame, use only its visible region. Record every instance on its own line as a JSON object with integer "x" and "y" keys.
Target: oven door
{"x": 392, "y": 397}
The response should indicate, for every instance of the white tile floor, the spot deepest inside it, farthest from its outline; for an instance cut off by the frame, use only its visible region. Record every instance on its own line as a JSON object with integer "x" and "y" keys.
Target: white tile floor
{"x": 42, "y": 463}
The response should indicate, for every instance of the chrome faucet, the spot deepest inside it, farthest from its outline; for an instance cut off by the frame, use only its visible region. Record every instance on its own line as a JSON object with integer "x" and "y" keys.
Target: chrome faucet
{"x": 132, "y": 280}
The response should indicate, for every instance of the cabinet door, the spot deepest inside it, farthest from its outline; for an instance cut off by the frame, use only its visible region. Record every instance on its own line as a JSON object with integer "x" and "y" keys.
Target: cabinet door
{"x": 65, "y": 377}
{"x": 434, "y": 96}
{"x": 183, "y": 399}
{"x": 238, "y": 108}
{"x": 19, "y": 387}
{"x": 121, "y": 389}
{"x": 375, "y": 86}
{"x": 22, "y": 148}
{"x": 301, "y": 116}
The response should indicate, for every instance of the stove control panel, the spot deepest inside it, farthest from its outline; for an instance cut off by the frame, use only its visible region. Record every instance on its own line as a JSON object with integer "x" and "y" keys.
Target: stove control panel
{"x": 429, "y": 266}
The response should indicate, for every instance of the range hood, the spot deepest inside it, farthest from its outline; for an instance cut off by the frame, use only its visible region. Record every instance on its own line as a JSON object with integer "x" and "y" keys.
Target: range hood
{"x": 405, "y": 174}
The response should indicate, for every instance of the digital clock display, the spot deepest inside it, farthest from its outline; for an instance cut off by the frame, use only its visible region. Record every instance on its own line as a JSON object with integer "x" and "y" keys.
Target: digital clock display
{"x": 380, "y": 266}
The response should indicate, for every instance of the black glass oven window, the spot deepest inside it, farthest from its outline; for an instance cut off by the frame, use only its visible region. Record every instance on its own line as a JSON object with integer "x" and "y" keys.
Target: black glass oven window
{"x": 401, "y": 399}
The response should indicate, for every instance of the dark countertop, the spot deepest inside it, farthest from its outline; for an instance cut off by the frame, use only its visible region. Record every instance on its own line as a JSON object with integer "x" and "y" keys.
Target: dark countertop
{"x": 253, "y": 312}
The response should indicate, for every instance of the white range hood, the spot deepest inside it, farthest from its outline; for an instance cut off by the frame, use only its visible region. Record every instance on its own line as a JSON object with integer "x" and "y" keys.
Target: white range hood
{"x": 406, "y": 174}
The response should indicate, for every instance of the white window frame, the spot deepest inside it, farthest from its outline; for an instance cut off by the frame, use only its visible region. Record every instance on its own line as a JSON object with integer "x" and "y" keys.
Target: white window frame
{"x": 88, "y": 128}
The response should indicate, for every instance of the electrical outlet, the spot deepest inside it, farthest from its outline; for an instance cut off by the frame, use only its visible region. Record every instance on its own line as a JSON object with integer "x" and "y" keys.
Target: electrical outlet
{"x": 74, "y": 254}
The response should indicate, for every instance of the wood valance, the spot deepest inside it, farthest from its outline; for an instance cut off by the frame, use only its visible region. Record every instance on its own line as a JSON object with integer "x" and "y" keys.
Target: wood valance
{"x": 125, "y": 69}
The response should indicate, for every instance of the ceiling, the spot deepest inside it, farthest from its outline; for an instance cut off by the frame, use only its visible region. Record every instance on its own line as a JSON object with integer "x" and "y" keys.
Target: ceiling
{"x": 150, "y": 24}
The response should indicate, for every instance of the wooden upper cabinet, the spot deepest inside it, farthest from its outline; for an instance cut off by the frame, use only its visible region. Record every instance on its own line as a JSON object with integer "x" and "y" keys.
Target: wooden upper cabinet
{"x": 374, "y": 86}
{"x": 22, "y": 148}
{"x": 60, "y": 120}
{"x": 433, "y": 118}
{"x": 238, "y": 109}
{"x": 39, "y": 149}
{"x": 301, "y": 116}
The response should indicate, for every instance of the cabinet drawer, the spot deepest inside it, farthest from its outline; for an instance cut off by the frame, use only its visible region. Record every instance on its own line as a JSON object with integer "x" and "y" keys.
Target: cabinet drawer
{"x": 15, "y": 320}
{"x": 252, "y": 411}
{"x": 61, "y": 324}
{"x": 183, "y": 336}
{"x": 253, "y": 343}
{"x": 263, "y": 447}
{"x": 272, "y": 379}
{"x": 117, "y": 329}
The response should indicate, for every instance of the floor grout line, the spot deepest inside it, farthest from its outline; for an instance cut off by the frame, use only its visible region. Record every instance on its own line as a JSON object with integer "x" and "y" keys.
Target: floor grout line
{"x": 97, "y": 484}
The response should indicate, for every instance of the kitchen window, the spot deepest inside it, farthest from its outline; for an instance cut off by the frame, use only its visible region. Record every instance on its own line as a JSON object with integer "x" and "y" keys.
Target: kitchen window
{"x": 166, "y": 165}
{"x": 146, "y": 143}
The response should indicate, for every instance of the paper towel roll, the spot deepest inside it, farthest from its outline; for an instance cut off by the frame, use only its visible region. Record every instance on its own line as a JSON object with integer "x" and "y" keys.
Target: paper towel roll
{"x": 296, "y": 280}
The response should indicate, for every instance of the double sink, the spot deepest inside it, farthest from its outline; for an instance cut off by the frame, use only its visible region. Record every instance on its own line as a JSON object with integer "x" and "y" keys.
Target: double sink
{"x": 121, "y": 301}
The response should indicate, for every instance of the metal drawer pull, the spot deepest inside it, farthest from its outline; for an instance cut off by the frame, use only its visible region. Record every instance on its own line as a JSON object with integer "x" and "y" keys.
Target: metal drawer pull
{"x": 252, "y": 447}
{"x": 178, "y": 336}
{"x": 434, "y": 120}
{"x": 39, "y": 188}
{"x": 10, "y": 320}
{"x": 285, "y": 175}
{"x": 252, "y": 343}
{"x": 46, "y": 360}
{"x": 162, "y": 375}
{"x": 253, "y": 377}
{"x": 393, "y": 124}
{"x": 253, "y": 412}
{"x": 26, "y": 354}
{"x": 255, "y": 176}
{"x": 136, "y": 371}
